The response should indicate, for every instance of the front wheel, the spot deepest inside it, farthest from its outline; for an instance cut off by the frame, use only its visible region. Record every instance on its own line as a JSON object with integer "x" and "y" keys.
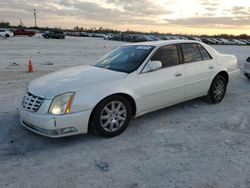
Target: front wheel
{"x": 112, "y": 115}
{"x": 217, "y": 90}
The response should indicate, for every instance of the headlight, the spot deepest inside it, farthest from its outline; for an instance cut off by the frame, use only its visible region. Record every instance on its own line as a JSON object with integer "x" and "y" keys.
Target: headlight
{"x": 61, "y": 104}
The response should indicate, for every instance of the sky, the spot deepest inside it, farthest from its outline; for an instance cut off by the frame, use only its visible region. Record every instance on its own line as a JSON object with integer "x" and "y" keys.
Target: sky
{"x": 166, "y": 16}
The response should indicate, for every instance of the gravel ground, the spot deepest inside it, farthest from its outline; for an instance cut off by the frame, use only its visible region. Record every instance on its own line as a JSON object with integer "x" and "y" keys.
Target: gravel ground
{"x": 192, "y": 144}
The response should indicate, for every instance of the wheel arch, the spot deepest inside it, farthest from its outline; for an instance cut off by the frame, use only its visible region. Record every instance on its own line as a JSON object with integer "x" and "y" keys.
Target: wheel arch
{"x": 125, "y": 95}
{"x": 224, "y": 74}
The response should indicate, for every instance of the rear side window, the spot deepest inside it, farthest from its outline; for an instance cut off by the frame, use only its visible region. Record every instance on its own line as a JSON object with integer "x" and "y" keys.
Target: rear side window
{"x": 191, "y": 53}
{"x": 168, "y": 55}
{"x": 205, "y": 55}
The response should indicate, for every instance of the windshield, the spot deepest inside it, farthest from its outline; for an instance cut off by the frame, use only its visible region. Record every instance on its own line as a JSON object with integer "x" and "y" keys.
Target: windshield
{"x": 125, "y": 59}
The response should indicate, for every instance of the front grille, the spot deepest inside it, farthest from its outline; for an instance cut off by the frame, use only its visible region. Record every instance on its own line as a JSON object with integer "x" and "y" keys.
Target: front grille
{"x": 31, "y": 102}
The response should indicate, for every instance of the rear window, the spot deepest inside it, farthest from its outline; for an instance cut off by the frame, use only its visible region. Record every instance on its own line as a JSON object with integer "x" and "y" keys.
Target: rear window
{"x": 191, "y": 53}
{"x": 205, "y": 55}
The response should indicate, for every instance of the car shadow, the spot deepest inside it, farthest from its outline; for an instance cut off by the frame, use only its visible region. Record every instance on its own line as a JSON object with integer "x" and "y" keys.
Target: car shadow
{"x": 18, "y": 141}
{"x": 15, "y": 140}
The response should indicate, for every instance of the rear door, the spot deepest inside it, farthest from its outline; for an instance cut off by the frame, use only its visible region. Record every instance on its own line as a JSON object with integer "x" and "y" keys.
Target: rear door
{"x": 162, "y": 87}
{"x": 199, "y": 69}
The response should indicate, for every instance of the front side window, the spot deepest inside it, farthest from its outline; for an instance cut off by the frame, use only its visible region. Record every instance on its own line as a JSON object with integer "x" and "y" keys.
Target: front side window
{"x": 191, "y": 53}
{"x": 168, "y": 55}
{"x": 126, "y": 58}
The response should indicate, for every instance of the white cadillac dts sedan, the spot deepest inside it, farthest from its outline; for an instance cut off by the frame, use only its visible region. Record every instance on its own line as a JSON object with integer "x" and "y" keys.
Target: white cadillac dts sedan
{"x": 129, "y": 81}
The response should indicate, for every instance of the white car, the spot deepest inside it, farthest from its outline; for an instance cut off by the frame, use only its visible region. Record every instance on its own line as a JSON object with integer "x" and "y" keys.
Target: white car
{"x": 246, "y": 68}
{"x": 129, "y": 81}
{"x": 6, "y": 33}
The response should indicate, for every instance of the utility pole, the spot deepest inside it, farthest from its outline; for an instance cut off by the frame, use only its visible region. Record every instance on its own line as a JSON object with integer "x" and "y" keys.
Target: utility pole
{"x": 35, "y": 16}
{"x": 21, "y": 23}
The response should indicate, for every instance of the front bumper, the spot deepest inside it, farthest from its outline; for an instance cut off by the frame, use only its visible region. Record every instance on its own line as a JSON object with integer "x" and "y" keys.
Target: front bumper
{"x": 55, "y": 125}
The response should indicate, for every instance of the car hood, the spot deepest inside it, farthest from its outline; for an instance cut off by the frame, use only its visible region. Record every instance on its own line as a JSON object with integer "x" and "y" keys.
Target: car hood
{"x": 72, "y": 79}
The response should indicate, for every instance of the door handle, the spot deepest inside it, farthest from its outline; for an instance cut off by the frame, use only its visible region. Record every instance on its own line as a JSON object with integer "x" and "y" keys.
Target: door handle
{"x": 211, "y": 67}
{"x": 177, "y": 74}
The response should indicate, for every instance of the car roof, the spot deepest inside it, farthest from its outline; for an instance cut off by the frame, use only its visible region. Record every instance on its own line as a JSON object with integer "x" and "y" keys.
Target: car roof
{"x": 164, "y": 42}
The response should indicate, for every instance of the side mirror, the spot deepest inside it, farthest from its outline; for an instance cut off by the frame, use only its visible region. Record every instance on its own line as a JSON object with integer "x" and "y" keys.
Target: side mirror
{"x": 248, "y": 59}
{"x": 152, "y": 66}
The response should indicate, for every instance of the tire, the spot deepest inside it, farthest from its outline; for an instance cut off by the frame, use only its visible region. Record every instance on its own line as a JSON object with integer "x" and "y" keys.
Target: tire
{"x": 7, "y": 35}
{"x": 247, "y": 76}
{"x": 217, "y": 90}
{"x": 106, "y": 121}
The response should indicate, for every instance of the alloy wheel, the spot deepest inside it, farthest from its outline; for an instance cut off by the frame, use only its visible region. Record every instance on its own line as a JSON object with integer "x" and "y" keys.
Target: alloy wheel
{"x": 113, "y": 116}
{"x": 219, "y": 90}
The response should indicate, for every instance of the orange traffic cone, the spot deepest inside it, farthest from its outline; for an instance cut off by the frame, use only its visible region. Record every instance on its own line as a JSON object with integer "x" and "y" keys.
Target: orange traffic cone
{"x": 30, "y": 67}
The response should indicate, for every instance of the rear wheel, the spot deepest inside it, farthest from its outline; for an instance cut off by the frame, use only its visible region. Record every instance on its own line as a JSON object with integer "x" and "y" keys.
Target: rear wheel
{"x": 247, "y": 76}
{"x": 7, "y": 35}
{"x": 111, "y": 117}
{"x": 217, "y": 90}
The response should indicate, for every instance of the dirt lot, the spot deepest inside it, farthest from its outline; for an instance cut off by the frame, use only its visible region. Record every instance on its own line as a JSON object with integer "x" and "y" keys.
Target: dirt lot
{"x": 193, "y": 144}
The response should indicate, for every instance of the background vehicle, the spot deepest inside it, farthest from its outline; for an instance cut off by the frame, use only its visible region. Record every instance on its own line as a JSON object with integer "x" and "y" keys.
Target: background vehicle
{"x": 238, "y": 42}
{"x": 245, "y": 41}
{"x": 6, "y": 33}
{"x": 217, "y": 41}
{"x": 131, "y": 80}
{"x": 23, "y": 32}
{"x": 54, "y": 34}
{"x": 152, "y": 37}
{"x": 246, "y": 69}
{"x": 194, "y": 38}
{"x": 225, "y": 41}
{"x": 207, "y": 41}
